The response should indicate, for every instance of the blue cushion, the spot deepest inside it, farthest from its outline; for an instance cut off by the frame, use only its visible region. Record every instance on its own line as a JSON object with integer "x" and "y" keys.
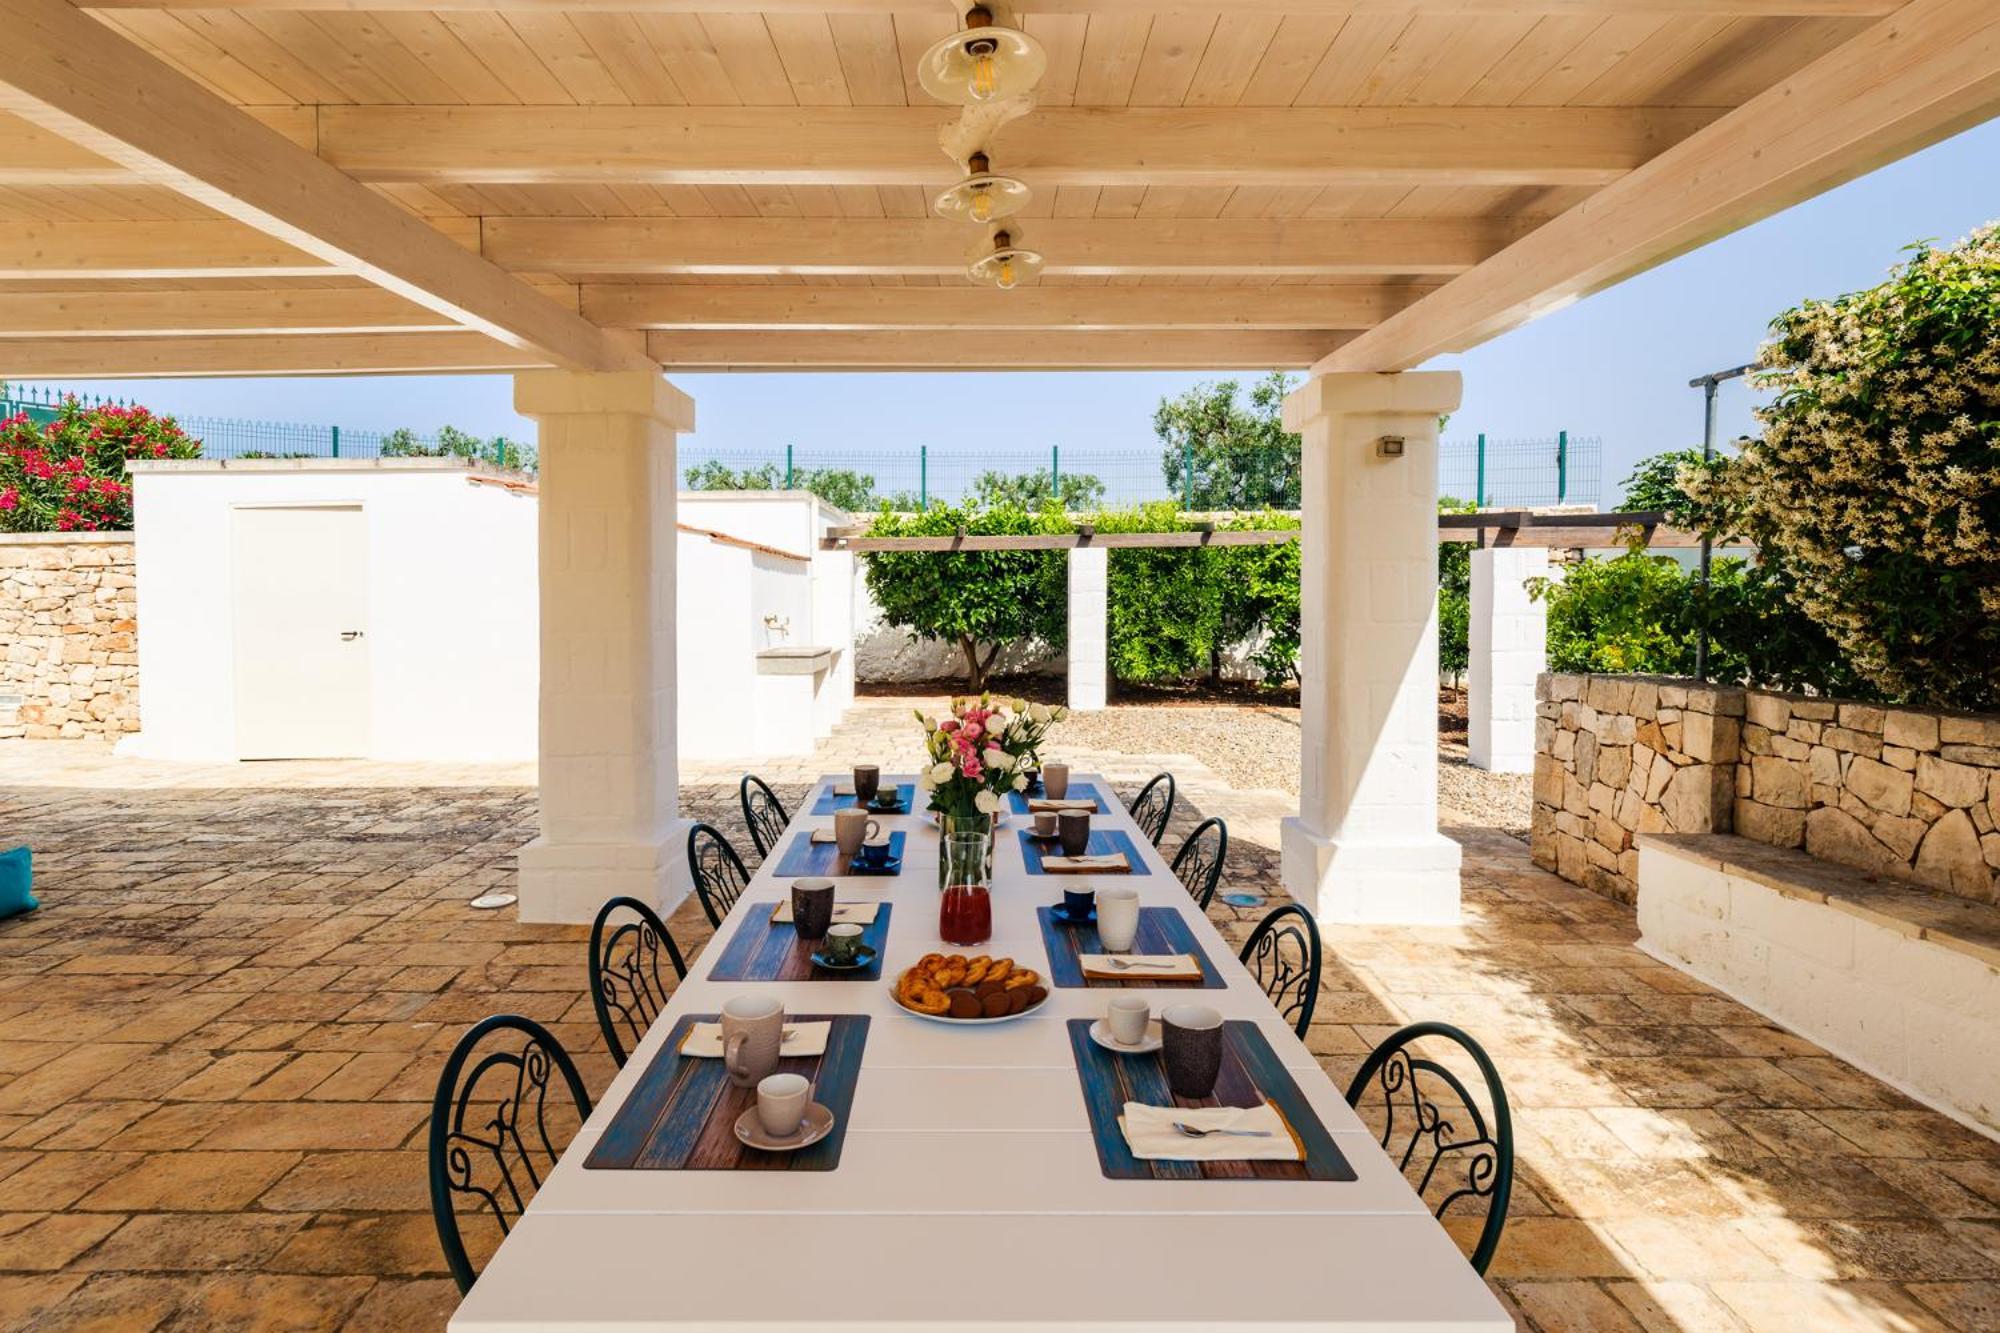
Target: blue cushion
{"x": 17, "y": 874}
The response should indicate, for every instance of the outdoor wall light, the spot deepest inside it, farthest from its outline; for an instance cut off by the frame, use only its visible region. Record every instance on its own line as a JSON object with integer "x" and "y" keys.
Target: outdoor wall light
{"x": 982, "y": 62}
{"x": 1007, "y": 263}
{"x": 1389, "y": 446}
{"x": 982, "y": 196}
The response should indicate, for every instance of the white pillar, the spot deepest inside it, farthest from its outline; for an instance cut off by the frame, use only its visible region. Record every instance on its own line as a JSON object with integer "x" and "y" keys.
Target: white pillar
{"x": 1509, "y": 648}
{"x": 1089, "y": 628}
{"x": 610, "y": 787}
{"x": 1365, "y": 845}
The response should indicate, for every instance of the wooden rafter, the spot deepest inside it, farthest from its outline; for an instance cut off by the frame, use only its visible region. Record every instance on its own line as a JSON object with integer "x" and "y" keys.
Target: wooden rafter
{"x": 1929, "y": 70}
{"x": 319, "y": 354}
{"x": 140, "y": 314}
{"x": 77, "y": 78}
{"x": 1163, "y": 349}
{"x": 1333, "y": 8}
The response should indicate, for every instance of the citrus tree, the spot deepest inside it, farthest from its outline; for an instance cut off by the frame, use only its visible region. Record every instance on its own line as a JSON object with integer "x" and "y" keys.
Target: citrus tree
{"x": 68, "y": 474}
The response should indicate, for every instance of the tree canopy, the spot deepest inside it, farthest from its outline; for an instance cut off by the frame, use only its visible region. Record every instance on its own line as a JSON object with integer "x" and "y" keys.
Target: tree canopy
{"x": 1220, "y": 451}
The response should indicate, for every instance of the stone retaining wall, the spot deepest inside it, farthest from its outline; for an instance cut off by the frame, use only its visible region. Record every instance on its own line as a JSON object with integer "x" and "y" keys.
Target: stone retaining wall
{"x": 69, "y": 658}
{"x": 1906, "y": 793}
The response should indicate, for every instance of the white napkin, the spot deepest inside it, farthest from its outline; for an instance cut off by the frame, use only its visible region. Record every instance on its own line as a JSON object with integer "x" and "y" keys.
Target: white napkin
{"x": 1185, "y": 966}
{"x": 1149, "y": 1131}
{"x": 1111, "y": 864}
{"x": 705, "y": 1040}
{"x": 1040, "y": 803}
{"x": 858, "y": 914}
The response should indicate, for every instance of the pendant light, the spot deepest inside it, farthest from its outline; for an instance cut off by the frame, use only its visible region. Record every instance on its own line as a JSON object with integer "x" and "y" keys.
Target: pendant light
{"x": 1006, "y": 264}
{"x": 982, "y": 62}
{"x": 982, "y": 196}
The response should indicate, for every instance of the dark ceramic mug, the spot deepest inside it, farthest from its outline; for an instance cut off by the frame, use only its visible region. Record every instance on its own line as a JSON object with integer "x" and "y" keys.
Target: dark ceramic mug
{"x": 1191, "y": 1047}
{"x": 1074, "y": 829}
{"x": 812, "y": 907}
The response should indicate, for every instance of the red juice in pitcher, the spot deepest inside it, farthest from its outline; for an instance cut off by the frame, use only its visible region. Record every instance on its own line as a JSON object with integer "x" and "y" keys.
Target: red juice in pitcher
{"x": 965, "y": 917}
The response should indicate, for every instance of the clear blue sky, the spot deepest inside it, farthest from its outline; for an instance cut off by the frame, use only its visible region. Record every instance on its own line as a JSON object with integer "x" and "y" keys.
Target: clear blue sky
{"x": 1614, "y": 366}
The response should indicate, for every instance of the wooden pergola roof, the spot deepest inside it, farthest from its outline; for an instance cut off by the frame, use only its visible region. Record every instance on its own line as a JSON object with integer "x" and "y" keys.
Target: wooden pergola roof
{"x": 284, "y": 186}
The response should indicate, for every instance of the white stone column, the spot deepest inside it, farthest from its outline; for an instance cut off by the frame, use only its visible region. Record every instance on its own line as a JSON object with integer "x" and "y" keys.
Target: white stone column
{"x": 610, "y": 786}
{"x": 1509, "y": 648}
{"x": 1365, "y": 845}
{"x": 1089, "y": 628}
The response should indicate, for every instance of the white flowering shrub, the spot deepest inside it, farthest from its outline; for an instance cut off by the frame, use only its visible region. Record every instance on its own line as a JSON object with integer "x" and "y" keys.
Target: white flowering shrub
{"x": 1876, "y": 485}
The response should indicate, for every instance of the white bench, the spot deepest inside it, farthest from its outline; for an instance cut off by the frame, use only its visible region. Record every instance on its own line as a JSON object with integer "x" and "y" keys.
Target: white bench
{"x": 1898, "y": 981}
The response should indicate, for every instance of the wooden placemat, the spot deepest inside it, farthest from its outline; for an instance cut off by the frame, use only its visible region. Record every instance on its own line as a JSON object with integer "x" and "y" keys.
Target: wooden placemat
{"x": 802, "y": 856}
{"x": 1018, "y": 801}
{"x": 761, "y": 950}
{"x": 827, "y": 803}
{"x": 1103, "y": 842}
{"x": 1251, "y": 1073}
{"x": 1161, "y": 930}
{"x": 682, "y": 1115}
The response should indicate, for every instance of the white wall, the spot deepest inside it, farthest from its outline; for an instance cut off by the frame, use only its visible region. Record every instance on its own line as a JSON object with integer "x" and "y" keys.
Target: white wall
{"x": 451, "y": 603}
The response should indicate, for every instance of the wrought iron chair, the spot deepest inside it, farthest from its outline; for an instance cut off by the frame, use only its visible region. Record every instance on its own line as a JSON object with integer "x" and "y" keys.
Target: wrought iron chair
{"x": 491, "y": 1139}
{"x": 1154, "y": 806}
{"x": 1283, "y": 955}
{"x": 626, "y": 987}
{"x": 1477, "y": 1157}
{"x": 1198, "y": 864}
{"x": 763, "y": 812}
{"x": 719, "y": 876}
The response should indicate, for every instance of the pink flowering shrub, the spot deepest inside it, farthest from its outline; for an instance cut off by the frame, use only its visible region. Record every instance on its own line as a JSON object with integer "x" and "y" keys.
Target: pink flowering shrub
{"x": 69, "y": 475}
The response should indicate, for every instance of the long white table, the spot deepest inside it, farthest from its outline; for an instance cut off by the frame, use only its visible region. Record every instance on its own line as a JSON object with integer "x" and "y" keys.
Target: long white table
{"x": 968, "y": 1189}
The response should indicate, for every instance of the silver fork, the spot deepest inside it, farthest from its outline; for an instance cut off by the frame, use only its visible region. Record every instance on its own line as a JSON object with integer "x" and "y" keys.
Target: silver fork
{"x": 1117, "y": 964}
{"x": 1189, "y": 1131}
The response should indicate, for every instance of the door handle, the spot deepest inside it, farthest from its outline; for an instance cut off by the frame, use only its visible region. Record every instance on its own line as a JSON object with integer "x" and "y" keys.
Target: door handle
{"x": 349, "y": 635}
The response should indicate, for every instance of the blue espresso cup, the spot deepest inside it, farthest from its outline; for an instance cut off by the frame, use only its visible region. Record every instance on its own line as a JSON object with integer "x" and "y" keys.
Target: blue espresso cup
{"x": 873, "y": 854}
{"x": 1078, "y": 904}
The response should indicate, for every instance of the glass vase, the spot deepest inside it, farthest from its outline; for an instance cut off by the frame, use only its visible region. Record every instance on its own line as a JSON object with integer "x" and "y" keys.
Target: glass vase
{"x": 965, "y": 908}
{"x": 950, "y": 826}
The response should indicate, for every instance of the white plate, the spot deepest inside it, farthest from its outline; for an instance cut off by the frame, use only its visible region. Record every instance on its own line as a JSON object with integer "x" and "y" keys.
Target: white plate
{"x": 1101, "y": 1034}
{"x": 949, "y": 1021}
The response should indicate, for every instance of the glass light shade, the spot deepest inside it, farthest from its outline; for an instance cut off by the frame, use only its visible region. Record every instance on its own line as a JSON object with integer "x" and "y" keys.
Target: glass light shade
{"x": 1006, "y": 267}
{"x": 982, "y": 198}
{"x": 982, "y": 65}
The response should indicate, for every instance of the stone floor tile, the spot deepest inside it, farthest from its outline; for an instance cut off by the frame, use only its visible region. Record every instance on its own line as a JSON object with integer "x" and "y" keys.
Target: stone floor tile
{"x": 1571, "y": 1307}
{"x": 353, "y": 1181}
{"x": 58, "y": 1179}
{"x": 266, "y": 1303}
{"x": 46, "y": 1242}
{"x": 1967, "y": 1307}
{"x": 306, "y": 1125}
{"x": 388, "y": 1244}
{"x": 191, "y": 1182}
{"x": 1673, "y": 1307}
{"x": 193, "y": 1242}
{"x": 396, "y": 1307}
{"x": 1826, "y": 1307}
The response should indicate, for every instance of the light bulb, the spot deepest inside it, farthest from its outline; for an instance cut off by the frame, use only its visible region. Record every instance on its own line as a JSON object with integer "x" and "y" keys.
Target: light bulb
{"x": 982, "y": 205}
{"x": 1006, "y": 278}
{"x": 985, "y": 76}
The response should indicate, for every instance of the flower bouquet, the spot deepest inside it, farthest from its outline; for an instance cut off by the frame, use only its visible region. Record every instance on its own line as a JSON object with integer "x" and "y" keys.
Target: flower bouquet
{"x": 980, "y": 751}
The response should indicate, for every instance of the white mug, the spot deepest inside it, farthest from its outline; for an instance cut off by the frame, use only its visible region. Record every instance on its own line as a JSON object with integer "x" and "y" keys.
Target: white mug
{"x": 1055, "y": 780}
{"x": 781, "y": 1104}
{"x": 1117, "y": 917}
{"x": 1127, "y": 1016}
{"x": 851, "y": 828}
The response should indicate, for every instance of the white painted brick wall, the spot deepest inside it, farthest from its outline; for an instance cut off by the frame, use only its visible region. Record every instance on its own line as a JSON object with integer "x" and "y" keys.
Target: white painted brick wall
{"x": 1089, "y": 632}
{"x": 1508, "y": 641}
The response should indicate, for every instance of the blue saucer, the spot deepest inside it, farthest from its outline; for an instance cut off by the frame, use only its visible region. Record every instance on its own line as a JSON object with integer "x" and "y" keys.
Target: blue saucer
{"x": 865, "y": 958}
{"x": 892, "y": 866}
{"x": 1060, "y": 915}
{"x": 897, "y": 809}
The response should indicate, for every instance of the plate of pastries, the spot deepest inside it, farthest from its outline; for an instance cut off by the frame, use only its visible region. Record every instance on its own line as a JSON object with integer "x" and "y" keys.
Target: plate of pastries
{"x": 952, "y": 988}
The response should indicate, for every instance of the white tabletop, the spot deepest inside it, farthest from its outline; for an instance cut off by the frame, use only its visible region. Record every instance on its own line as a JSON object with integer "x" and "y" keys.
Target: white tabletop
{"x": 968, "y": 1157}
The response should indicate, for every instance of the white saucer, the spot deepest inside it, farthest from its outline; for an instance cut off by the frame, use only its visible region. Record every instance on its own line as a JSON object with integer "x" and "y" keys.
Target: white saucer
{"x": 817, "y": 1125}
{"x": 1101, "y": 1034}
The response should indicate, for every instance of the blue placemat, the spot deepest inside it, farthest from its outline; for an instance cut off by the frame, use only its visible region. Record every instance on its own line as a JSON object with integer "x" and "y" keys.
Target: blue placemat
{"x": 827, "y": 803}
{"x": 1077, "y": 791}
{"x": 802, "y": 856}
{"x": 763, "y": 950}
{"x": 1161, "y": 930}
{"x": 1103, "y": 842}
{"x": 1251, "y": 1073}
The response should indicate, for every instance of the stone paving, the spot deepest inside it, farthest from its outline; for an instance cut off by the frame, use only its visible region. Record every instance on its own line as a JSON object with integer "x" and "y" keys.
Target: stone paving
{"x": 221, "y": 1034}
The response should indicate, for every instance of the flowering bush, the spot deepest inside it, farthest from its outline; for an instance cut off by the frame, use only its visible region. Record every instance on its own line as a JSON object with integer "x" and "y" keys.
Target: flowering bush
{"x": 69, "y": 475}
{"x": 1876, "y": 486}
{"x": 981, "y": 751}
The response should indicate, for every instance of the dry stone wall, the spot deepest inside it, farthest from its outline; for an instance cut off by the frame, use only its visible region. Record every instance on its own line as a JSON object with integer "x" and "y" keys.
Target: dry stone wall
{"x": 69, "y": 653}
{"x": 1905, "y": 793}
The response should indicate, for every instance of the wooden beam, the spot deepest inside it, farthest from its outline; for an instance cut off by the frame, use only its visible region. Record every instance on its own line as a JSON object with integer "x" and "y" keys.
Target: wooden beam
{"x": 130, "y": 314}
{"x": 187, "y": 357}
{"x": 76, "y": 77}
{"x": 1169, "y": 349}
{"x": 1063, "y": 541}
{"x": 644, "y": 306}
{"x": 1930, "y": 70}
{"x": 670, "y": 145}
{"x": 149, "y": 250}
{"x": 609, "y": 246}
{"x": 1332, "y": 8}
{"x": 31, "y": 155}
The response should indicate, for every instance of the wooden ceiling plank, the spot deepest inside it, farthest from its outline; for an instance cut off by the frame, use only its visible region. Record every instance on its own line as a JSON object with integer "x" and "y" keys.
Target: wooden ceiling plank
{"x": 1165, "y": 349}
{"x": 805, "y": 47}
{"x": 308, "y": 354}
{"x": 866, "y": 47}
{"x": 1234, "y": 53}
{"x": 689, "y": 55}
{"x": 1926, "y": 72}
{"x": 565, "y": 54}
{"x": 627, "y": 55}
{"x": 500, "y": 49}
{"x": 1175, "y": 45}
{"x": 750, "y": 58}
{"x": 75, "y": 249}
{"x": 72, "y": 75}
{"x": 164, "y": 314}
{"x": 1463, "y": 8}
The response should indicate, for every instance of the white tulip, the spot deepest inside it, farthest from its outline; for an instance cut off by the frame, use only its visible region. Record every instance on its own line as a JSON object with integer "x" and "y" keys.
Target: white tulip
{"x": 996, "y": 758}
{"x": 939, "y": 774}
{"x": 987, "y": 802}
{"x": 1020, "y": 782}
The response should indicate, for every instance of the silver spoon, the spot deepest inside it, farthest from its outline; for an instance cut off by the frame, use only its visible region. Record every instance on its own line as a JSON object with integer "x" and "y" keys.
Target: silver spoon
{"x": 1191, "y": 1132}
{"x": 1124, "y": 965}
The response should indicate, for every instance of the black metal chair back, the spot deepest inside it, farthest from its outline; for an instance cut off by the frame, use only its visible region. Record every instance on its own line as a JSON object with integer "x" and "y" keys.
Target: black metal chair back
{"x": 1283, "y": 955}
{"x": 1198, "y": 864}
{"x": 763, "y": 812}
{"x": 719, "y": 876}
{"x": 491, "y": 1142}
{"x": 1154, "y": 806}
{"x": 626, "y": 986}
{"x": 1451, "y": 1148}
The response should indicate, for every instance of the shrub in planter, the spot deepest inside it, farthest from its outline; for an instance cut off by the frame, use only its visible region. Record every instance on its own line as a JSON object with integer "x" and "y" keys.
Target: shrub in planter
{"x": 68, "y": 475}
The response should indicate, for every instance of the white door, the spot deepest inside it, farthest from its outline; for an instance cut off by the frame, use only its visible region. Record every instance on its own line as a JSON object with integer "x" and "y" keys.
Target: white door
{"x": 301, "y": 590}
